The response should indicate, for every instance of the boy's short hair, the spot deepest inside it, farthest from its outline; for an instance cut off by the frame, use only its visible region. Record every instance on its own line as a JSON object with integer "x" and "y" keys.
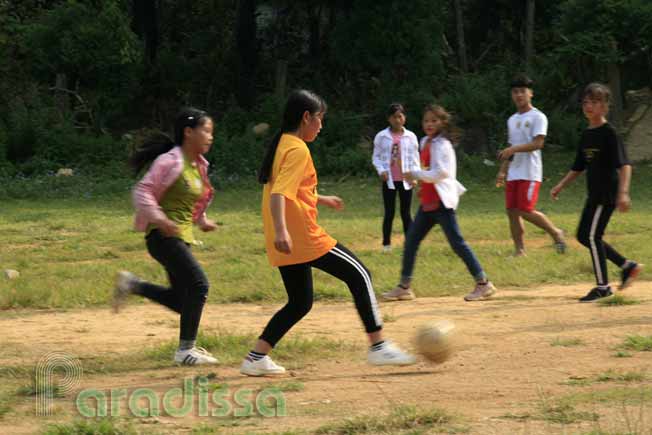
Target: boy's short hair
{"x": 598, "y": 92}
{"x": 521, "y": 81}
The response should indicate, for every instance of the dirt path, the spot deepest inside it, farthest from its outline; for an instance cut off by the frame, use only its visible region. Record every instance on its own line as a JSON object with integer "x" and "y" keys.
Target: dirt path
{"x": 505, "y": 363}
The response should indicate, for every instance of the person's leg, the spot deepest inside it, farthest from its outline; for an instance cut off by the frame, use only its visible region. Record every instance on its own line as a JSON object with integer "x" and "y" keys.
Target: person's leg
{"x": 593, "y": 222}
{"x": 517, "y": 230}
{"x": 528, "y": 198}
{"x": 423, "y": 222}
{"x": 448, "y": 221}
{"x": 405, "y": 197}
{"x": 297, "y": 279}
{"x": 515, "y": 222}
{"x": 344, "y": 265}
{"x": 483, "y": 289}
{"x": 389, "y": 201}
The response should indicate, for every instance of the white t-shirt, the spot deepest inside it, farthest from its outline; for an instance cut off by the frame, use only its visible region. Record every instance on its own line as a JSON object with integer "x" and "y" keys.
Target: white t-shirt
{"x": 522, "y": 129}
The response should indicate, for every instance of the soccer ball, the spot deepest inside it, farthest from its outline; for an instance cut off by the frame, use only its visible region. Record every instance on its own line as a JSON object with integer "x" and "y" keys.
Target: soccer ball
{"x": 435, "y": 340}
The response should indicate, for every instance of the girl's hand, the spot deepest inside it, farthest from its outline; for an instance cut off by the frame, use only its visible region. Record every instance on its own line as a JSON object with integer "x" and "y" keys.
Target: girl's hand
{"x": 283, "y": 242}
{"x": 333, "y": 202}
{"x": 168, "y": 228}
{"x": 208, "y": 225}
{"x": 500, "y": 179}
{"x": 624, "y": 202}
{"x": 384, "y": 176}
{"x": 409, "y": 177}
{"x": 555, "y": 191}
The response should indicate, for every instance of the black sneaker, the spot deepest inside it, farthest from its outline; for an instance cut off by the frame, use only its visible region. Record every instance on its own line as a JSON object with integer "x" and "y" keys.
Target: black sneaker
{"x": 595, "y": 294}
{"x": 629, "y": 274}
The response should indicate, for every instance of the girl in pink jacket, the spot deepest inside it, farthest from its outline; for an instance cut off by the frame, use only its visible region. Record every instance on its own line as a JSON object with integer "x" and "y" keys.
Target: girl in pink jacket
{"x": 172, "y": 197}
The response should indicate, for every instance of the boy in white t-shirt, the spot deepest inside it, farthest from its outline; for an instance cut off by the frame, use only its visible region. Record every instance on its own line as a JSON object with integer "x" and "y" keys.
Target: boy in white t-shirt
{"x": 522, "y": 170}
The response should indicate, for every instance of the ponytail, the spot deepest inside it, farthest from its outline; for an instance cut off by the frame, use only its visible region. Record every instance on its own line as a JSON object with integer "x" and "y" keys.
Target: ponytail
{"x": 160, "y": 143}
{"x": 297, "y": 104}
{"x": 156, "y": 144}
{"x": 266, "y": 167}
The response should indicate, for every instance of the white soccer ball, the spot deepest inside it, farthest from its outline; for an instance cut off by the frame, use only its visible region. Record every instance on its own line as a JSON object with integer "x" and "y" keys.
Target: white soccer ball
{"x": 435, "y": 340}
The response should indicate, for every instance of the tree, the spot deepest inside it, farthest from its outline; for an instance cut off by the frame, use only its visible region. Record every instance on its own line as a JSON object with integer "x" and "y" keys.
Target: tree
{"x": 461, "y": 45}
{"x": 247, "y": 53}
{"x": 529, "y": 33}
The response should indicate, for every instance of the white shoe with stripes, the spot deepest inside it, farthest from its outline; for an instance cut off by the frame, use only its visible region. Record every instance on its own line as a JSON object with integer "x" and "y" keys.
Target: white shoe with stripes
{"x": 263, "y": 367}
{"x": 194, "y": 356}
{"x": 390, "y": 355}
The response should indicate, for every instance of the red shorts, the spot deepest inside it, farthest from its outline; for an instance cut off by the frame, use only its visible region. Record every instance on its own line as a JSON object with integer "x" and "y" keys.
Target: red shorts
{"x": 522, "y": 194}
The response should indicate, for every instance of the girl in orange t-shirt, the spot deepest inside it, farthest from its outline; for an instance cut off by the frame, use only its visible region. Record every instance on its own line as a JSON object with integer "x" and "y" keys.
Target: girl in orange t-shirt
{"x": 295, "y": 243}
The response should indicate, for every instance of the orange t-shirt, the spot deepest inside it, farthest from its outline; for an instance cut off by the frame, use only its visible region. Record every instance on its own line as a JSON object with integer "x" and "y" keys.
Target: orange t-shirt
{"x": 294, "y": 176}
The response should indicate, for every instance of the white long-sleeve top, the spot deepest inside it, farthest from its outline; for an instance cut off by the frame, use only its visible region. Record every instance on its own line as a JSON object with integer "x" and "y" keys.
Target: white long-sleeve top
{"x": 382, "y": 156}
{"x": 442, "y": 171}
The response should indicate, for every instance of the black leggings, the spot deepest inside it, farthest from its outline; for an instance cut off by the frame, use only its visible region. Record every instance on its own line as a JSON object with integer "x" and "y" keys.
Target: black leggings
{"x": 594, "y": 221}
{"x": 188, "y": 284}
{"x": 389, "y": 199}
{"x": 338, "y": 262}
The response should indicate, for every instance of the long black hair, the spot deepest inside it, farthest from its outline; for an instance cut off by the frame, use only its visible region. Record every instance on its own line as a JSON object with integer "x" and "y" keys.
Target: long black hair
{"x": 159, "y": 143}
{"x": 297, "y": 104}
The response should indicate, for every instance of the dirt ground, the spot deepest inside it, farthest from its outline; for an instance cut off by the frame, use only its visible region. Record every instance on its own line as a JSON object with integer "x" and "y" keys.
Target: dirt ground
{"x": 505, "y": 363}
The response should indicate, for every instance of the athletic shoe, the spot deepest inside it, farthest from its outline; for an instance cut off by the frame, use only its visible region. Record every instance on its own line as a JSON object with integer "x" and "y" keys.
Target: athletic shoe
{"x": 481, "y": 292}
{"x": 629, "y": 274}
{"x": 263, "y": 367}
{"x": 561, "y": 246}
{"x": 390, "y": 355}
{"x": 399, "y": 293}
{"x": 125, "y": 284}
{"x": 194, "y": 356}
{"x": 387, "y": 249}
{"x": 595, "y": 294}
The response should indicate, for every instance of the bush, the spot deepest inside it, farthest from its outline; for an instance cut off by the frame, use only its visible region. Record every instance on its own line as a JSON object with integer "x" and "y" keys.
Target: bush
{"x": 564, "y": 128}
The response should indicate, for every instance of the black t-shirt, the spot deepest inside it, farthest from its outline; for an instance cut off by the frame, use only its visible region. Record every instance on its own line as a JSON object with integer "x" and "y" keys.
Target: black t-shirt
{"x": 601, "y": 153}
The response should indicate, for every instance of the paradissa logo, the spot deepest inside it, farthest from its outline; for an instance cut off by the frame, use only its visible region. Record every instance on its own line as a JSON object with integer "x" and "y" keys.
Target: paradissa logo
{"x": 210, "y": 401}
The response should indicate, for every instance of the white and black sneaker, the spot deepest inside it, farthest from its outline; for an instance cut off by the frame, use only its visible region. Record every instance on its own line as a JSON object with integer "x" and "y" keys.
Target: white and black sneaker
{"x": 125, "y": 284}
{"x": 262, "y": 367}
{"x": 194, "y": 356}
{"x": 387, "y": 354}
{"x": 596, "y": 293}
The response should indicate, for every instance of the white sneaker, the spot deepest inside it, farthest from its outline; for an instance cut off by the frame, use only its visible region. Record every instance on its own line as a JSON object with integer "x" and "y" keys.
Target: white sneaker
{"x": 387, "y": 249}
{"x": 262, "y": 367}
{"x": 194, "y": 356}
{"x": 125, "y": 283}
{"x": 390, "y": 355}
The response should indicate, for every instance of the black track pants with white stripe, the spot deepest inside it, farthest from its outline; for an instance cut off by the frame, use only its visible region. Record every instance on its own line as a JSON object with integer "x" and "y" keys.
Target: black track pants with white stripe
{"x": 338, "y": 262}
{"x": 593, "y": 222}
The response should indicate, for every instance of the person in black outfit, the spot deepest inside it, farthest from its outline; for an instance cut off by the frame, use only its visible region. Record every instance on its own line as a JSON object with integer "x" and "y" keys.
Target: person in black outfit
{"x": 608, "y": 172}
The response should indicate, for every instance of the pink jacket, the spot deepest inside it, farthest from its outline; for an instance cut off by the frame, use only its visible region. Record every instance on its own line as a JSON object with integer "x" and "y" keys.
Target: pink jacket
{"x": 161, "y": 175}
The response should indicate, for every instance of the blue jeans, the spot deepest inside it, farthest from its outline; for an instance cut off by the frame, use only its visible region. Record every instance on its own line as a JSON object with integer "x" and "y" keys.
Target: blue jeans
{"x": 423, "y": 222}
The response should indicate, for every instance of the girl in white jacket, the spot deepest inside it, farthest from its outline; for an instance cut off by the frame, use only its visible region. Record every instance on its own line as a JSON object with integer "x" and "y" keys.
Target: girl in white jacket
{"x": 396, "y": 150}
{"x": 439, "y": 195}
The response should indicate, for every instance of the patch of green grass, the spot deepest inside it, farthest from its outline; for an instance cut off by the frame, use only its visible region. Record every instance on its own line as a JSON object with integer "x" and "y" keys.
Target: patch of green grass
{"x": 613, "y": 376}
{"x": 566, "y": 342}
{"x": 105, "y": 426}
{"x": 638, "y": 343}
{"x": 518, "y": 417}
{"x": 388, "y": 318}
{"x": 401, "y": 420}
{"x": 621, "y": 354}
{"x": 620, "y": 395}
{"x": 618, "y": 300}
{"x": 563, "y": 413}
{"x": 5, "y": 403}
{"x": 69, "y": 248}
{"x": 32, "y": 389}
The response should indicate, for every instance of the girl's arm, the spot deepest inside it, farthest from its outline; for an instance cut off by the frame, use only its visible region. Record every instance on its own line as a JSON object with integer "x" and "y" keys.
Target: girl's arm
{"x": 569, "y": 178}
{"x": 377, "y": 157}
{"x": 623, "y": 201}
{"x": 331, "y": 201}
{"x": 145, "y": 200}
{"x": 439, "y": 163}
{"x": 282, "y": 240}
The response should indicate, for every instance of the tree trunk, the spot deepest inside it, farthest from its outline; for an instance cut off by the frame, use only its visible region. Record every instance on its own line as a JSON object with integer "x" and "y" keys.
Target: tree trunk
{"x": 461, "y": 44}
{"x": 247, "y": 47}
{"x": 146, "y": 25}
{"x": 613, "y": 70}
{"x": 529, "y": 34}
